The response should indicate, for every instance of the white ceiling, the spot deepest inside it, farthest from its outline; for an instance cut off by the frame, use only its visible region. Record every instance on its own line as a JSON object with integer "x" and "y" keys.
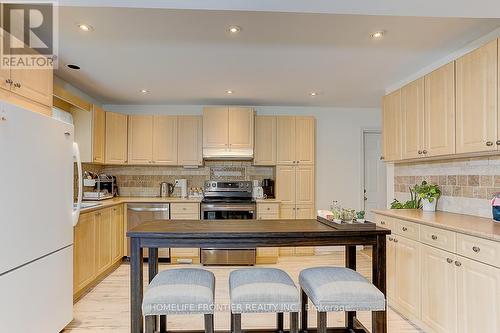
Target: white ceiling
{"x": 187, "y": 57}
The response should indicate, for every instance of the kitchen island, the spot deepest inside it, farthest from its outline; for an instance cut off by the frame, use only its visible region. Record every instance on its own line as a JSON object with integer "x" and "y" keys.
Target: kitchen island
{"x": 251, "y": 233}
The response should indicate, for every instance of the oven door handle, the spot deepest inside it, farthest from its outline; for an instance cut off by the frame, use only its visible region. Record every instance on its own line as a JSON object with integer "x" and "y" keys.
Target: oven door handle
{"x": 232, "y": 208}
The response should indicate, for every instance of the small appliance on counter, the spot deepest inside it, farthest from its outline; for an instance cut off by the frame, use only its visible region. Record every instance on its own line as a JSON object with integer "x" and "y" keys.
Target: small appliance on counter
{"x": 182, "y": 185}
{"x": 103, "y": 187}
{"x": 257, "y": 191}
{"x": 495, "y": 203}
{"x": 268, "y": 188}
{"x": 166, "y": 189}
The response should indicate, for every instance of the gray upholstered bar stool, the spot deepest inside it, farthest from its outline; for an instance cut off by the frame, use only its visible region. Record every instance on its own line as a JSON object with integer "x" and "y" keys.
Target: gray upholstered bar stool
{"x": 337, "y": 289}
{"x": 263, "y": 290}
{"x": 180, "y": 291}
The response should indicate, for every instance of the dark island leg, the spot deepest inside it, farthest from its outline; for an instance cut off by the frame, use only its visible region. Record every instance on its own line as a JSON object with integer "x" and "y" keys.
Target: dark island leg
{"x": 379, "y": 318}
{"x": 350, "y": 262}
{"x": 136, "y": 275}
{"x": 151, "y": 321}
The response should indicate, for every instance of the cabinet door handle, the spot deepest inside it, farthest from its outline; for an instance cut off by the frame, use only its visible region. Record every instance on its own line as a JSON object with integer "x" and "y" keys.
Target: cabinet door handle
{"x": 9, "y": 81}
{"x": 420, "y": 152}
{"x": 395, "y": 240}
{"x": 405, "y": 228}
{"x": 17, "y": 85}
{"x": 424, "y": 152}
{"x": 382, "y": 222}
{"x": 381, "y": 158}
{"x": 449, "y": 260}
{"x": 458, "y": 263}
{"x": 434, "y": 237}
{"x": 498, "y": 142}
{"x": 489, "y": 143}
{"x": 476, "y": 249}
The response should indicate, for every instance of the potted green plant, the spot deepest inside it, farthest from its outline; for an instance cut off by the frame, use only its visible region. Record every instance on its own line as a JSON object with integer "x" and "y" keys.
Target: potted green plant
{"x": 413, "y": 203}
{"x": 360, "y": 216}
{"x": 429, "y": 193}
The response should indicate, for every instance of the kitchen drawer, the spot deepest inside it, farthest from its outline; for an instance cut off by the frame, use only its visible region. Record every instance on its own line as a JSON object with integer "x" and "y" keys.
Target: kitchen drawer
{"x": 268, "y": 209}
{"x": 407, "y": 229}
{"x": 182, "y": 216}
{"x": 185, "y": 208}
{"x": 384, "y": 221}
{"x": 267, "y": 252}
{"x": 479, "y": 249}
{"x": 267, "y": 217}
{"x": 439, "y": 238}
{"x": 185, "y": 252}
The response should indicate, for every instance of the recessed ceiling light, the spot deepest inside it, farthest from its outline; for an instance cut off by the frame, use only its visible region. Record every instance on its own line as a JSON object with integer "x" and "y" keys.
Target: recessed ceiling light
{"x": 313, "y": 93}
{"x": 85, "y": 27}
{"x": 144, "y": 91}
{"x": 234, "y": 29}
{"x": 378, "y": 34}
{"x": 73, "y": 66}
{"x": 229, "y": 92}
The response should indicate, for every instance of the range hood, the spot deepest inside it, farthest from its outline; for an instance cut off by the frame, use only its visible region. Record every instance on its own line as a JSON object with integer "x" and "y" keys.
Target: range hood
{"x": 227, "y": 154}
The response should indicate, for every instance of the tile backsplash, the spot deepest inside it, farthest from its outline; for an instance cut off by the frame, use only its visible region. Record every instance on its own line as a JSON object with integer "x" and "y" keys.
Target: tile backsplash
{"x": 145, "y": 180}
{"x": 467, "y": 185}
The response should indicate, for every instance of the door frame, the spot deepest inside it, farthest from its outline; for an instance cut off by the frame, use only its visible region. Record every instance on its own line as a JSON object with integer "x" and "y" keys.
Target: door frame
{"x": 363, "y": 131}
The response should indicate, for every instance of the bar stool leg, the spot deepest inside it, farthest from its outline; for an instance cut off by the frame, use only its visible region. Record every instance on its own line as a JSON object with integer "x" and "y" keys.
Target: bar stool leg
{"x": 321, "y": 322}
{"x": 209, "y": 323}
{"x": 294, "y": 322}
{"x": 232, "y": 322}
{"x": 303, "y": 312}
{"x": 237, "y": 323}
{"x": 163, "y": 324}
{"x": 279, "y": 322}
{"x": 150, "y": 324}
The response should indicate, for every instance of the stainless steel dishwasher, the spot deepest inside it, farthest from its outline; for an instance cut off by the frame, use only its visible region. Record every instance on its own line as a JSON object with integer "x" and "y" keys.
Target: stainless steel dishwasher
{"x": 139, "y": 213}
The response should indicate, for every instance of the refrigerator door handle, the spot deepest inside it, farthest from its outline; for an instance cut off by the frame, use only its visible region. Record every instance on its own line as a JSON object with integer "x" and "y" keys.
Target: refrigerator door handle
{"x": 76, "y": 210}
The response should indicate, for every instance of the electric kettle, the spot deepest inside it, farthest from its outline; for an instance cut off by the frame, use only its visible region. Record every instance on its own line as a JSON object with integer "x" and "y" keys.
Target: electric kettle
{"x": 166, "y": 189}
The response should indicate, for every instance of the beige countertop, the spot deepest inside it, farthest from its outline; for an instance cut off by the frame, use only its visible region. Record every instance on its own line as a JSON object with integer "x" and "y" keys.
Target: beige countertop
{"x": 467, "y": 224}
{"x": 267, "y": 201}
{"x": 121, "y": 200}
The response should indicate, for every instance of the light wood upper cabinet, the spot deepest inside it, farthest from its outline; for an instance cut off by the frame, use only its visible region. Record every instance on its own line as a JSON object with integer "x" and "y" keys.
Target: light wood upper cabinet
{"x": 140, "y": 139}
{"x": 439, "y": 293}
{"x": 285, "y": 184}
{"x": 305, "y": 138}
{"x": 189, "y": 149}
{"x": 391, "y": 126}
{"x": 35, "y": 84}
{"x": 476, "y": 100}
{"x": 439, "y": 111}
{"x": 165, "y": 140}
{"x": 98, "y": 134}
{"x": 285, "y": 134}
{"x": 478, "y": 297}
{"x": 116, "y": 138}
{"x": 412, "y": 119}
{"x": 241, "y": 128}
{"x": 265, "y": 140}
{"x": 216, "y": 127}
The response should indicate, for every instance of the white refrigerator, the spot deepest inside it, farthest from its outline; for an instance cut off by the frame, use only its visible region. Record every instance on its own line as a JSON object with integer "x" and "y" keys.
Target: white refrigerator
{"x": 37, "y": 157}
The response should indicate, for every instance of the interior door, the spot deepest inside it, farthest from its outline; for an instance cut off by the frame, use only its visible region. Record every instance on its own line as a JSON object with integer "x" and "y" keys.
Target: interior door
{"x": 374, "y": 174}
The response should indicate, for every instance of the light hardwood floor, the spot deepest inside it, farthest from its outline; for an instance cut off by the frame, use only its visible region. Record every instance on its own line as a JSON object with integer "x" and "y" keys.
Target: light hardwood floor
{"x": 106, "y": 307}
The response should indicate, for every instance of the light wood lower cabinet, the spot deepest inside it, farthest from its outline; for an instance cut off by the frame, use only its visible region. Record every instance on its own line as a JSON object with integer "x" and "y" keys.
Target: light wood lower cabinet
{"x": 98, "y": 247}
{"x": 439, "y": 294}
{"x": 185, "y": 211}
{"x": 407, "y": 263}
{"x": 268, "y": 211}
{"x": 478, "y": 296}
{"x": 435, "y": 286}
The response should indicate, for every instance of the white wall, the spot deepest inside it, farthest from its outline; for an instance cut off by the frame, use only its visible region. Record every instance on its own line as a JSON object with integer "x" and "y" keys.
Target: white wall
{"x": 338, "y": 144}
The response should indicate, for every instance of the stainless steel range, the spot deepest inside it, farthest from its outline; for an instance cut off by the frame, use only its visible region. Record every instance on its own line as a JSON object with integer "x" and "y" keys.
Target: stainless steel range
{"x": 228, "y": 201}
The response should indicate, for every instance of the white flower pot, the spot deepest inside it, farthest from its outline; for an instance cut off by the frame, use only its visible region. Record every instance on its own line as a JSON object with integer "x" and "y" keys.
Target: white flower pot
{"x": 429, "y": 206}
